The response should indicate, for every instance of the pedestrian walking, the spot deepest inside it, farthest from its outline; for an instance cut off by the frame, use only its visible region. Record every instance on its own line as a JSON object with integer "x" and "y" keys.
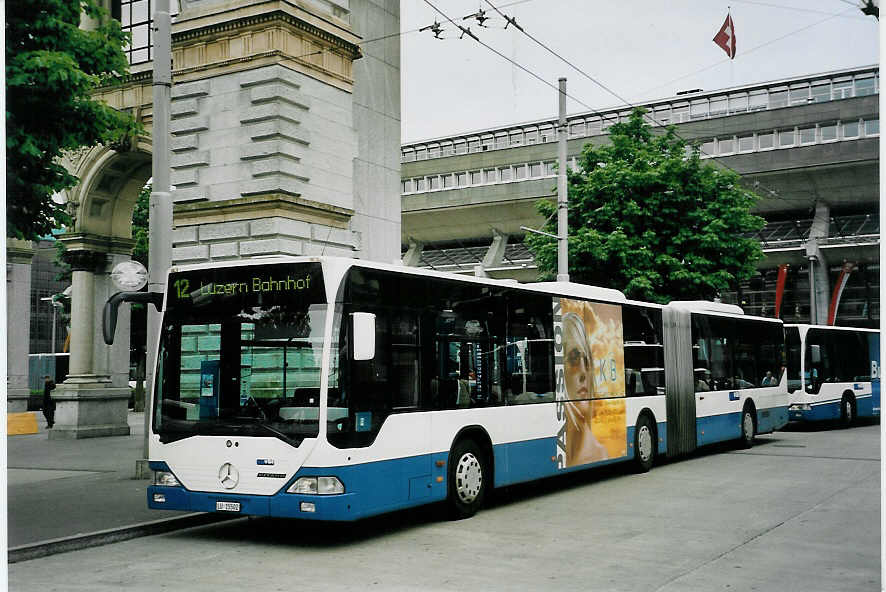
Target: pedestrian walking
{"x": 48, "y": 403}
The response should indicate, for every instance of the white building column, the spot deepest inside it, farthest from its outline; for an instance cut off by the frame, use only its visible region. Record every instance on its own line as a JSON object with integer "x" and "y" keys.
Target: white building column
{"x": 18, "y": 313}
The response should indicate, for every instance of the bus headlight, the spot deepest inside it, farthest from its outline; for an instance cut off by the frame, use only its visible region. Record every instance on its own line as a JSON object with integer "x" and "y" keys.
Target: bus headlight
{"x": 317, "y": 486}
{"x": 800, "y": 407}
{"x": 166, "y": 479}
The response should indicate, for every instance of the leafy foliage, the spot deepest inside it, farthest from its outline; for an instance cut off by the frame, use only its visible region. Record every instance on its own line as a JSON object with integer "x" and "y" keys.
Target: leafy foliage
{"x": 51, "y": 67}
{"x": 140, "y": 216}
{"x": 646, "y": 219}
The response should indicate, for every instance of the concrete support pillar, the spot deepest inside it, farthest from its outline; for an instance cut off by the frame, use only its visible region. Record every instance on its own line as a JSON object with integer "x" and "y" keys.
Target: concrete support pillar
{"x": 18, "y": 313}
{"x": 413, "y": 255}
{"x": 819, "y": 280}
{"x": 496, "y": 252}
{"x": 87, "y": 403}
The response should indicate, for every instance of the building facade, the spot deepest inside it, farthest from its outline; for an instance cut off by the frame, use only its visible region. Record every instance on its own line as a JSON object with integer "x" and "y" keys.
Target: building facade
{"x": 809, "y": 146}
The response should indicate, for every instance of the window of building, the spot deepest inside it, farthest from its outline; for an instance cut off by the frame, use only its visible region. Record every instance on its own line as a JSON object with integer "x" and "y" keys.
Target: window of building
{"x": 842, "y": 89}
{"x": 476, "y": 178}
{"x": 535, "y": 169}
{"x": 448, "y": 181}
{"x": 434, "y": 151}
{"x": 757, "y": 100}
{"x": 821, "y": 92}
{"x": 850, "y": 129}
{"x": 663, "y": 114}
{"x": 501, "y": 141}
{"x": 531, "y": 136}
{"x": 778, "y": 98}
{"x": 680, "y": 113}
{"x": 135, "y": 18}
{"x": 871, "y": 127}
{"x": 434, "y": 183}
{"x": 725, "y": 145}
{"x": 719, "y": 106}
{"x": 517, "y": 138}
{"x": 487, "y": 143}
{"x": 505, "y": 174}
{"x": 474, "y": 145}
{"x": 800, "y": 95}
{"x": 786, "y": 137}
{"x": 698, "y": 109}
{"x": 547, "y": 133}
{"x": 408, "y": 155}
{"x": 709, "y": 148}
{"x": 745, "y": 143}
{"x": 447, "y": 149}
{"x": 550, "y": 169}
{"x": 828, "y": 131}
{"x": 864, "y": 86}
{"x": 738, "y": 103}
{"x": 491, "y": 175}
{"x": 421, "y": 184}
{"x": 608, "y": 122}
{"x": 408, "y": 186}
{"x": 461, "y": 147}
{"x": 519, "y": 172}
{"x": 421, "y": 153}
{"x": 807, "y": 135}
{"x": 765, "y": 140}
{"x": 461, "y": 179}
{"x": 576, "y": 129}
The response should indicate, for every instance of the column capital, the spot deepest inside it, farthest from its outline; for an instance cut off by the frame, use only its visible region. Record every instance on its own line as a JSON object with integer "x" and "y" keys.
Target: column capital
{"x": 85, "y": 260}
{"x": 19, "y": 251}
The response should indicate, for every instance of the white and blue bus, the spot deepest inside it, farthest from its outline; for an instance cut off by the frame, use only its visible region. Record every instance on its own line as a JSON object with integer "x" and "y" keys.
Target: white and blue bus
{"x": 335, "y": 389}
{"x": 833, "y": 372}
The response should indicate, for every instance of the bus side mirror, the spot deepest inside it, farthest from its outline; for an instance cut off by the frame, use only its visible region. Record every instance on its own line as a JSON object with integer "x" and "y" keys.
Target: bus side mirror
{"x": 815, "y": 353}
{"x": 363, "y": 335}
{"x": 109, "y": 313}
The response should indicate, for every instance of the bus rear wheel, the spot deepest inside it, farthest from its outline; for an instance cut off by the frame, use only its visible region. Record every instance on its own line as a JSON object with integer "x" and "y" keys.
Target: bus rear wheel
{"x": 847, "y": 411}
{"x": 467, "y": 479}
{"x": 644, "y": 444}
{"x": 748, "y": 429}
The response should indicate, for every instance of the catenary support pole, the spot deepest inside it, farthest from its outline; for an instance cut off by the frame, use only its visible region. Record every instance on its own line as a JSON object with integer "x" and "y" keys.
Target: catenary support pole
{"x": 160, "y": 213}
{"x": 562, "y": 207}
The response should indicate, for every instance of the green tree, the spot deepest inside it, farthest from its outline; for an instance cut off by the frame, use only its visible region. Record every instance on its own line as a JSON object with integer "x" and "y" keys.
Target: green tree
{"x": 646, "y": 219}
{"x": 51, "y": 68}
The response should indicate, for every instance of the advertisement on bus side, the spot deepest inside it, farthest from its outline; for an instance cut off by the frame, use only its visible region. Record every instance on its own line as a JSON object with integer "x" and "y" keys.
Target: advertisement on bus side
{"x": 589, "y": 359}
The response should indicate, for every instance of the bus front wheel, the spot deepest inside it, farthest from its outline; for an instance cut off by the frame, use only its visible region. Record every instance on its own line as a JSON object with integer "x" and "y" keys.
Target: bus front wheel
{"x": 468, "y": 479}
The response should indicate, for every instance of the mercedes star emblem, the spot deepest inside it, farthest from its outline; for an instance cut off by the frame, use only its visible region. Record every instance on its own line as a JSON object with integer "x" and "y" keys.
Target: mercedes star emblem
{"x": 228, "y": 476}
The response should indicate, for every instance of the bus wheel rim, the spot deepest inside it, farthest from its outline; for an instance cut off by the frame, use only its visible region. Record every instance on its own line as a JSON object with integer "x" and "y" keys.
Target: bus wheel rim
{"x": 748, "y": 426}
{"x": 848, "y": 407}
{"x": 468, "y": 477}
{"x": 644, "y": 443}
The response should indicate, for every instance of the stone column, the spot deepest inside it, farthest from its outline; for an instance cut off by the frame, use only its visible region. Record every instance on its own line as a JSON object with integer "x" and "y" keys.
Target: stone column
{"x": 18, "y": 313}
{"x": 87, "y": 403}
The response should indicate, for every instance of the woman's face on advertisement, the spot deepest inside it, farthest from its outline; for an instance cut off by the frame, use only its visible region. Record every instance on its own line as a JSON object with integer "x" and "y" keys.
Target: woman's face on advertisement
{"x": 577, "y": 373}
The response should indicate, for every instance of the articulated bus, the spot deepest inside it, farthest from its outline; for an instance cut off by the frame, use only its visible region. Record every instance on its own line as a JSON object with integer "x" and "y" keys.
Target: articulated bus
{"x": 335, "y": 389}
{"x": 833, "y": 373}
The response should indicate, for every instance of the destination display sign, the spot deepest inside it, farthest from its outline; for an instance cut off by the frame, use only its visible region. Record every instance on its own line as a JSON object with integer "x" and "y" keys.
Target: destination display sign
{"x": 242, "y": 286}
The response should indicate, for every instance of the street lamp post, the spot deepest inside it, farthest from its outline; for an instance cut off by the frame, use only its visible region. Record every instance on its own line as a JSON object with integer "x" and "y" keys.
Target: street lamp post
{"x": 55, "y": 306}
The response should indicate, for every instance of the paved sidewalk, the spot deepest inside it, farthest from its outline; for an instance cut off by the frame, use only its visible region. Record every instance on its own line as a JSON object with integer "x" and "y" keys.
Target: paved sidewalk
{"x": 64, "y": 488}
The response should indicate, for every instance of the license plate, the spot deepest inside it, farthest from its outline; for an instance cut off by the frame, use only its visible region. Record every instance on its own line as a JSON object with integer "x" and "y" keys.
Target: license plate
{"x": 227, "y": 506}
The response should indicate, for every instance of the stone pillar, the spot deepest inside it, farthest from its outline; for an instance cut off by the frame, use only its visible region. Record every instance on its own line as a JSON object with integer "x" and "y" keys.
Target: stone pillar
{"x": 263, "y": 131}
{"x": 87, "y": 403}
{"x": 18, "y": 313}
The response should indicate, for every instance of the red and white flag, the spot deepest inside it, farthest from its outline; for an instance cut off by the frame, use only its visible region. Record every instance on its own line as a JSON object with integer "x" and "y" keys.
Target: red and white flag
{"x": 726, "y": 37}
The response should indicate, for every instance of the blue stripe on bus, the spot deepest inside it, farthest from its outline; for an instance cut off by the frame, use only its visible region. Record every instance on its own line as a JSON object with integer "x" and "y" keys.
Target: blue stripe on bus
{"x": 374, "y": 488}
{"x": 727, "y": 426}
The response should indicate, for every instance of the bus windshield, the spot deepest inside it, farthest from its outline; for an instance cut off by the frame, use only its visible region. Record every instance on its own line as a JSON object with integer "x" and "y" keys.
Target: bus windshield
{"x": 240, "y": 353}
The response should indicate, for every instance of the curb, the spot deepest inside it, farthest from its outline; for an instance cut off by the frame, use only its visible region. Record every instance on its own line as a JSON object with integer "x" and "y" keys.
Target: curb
{"x": 111, "y": 535}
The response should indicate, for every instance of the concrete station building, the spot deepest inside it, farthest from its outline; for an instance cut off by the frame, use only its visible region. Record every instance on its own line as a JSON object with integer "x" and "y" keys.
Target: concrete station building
{"x": 809, "y": 146}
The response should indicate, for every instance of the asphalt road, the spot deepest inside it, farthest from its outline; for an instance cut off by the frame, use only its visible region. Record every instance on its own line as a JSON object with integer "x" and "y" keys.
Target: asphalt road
{"x": 799, "y": 511}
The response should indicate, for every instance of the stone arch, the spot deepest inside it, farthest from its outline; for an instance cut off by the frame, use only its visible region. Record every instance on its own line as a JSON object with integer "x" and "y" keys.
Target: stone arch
{"x": 93, "y": 399}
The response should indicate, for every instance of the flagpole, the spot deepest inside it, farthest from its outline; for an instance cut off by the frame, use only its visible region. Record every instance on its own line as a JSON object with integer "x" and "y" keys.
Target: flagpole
{"x": 732, "y": 60}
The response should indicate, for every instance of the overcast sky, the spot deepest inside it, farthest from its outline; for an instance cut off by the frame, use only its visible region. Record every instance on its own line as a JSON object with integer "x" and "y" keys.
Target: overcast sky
{"x": 640, "y": 49}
